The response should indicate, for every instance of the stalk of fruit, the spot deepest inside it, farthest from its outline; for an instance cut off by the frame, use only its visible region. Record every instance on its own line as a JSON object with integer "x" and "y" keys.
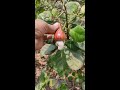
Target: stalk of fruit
{"x": 60, "y": 37}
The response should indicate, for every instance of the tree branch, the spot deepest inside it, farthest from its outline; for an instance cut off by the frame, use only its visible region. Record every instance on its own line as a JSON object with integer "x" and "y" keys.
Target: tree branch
{"x": 65, "y": 11}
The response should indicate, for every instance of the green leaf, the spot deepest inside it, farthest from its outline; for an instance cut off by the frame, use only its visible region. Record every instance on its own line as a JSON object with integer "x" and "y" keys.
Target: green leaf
{"x": 67, "y": 72}
{"x": 62, "y": 17}
{"x": 76, "y": 22}
{"x": 73, "y": 73}
{"x": 72, "y": 7}
{"x": 71, "y": 18}
{"x": 58, "y": 62}
{"x": 83, "y": 22}
{"x": 83, "y": 85}
{"x": 55, "y": 12}
{"x": 42, "y": 77}
{"x": 50, "y": 22}
{"x": 59, "y": 5}
{"x": 81, "y": 45}
{"x": 43, "y": 80}
{"x": 63, "y": 87}
{"x": 77, "y": 33}
{"x": 80, "y": 76}
{"x": 72, "y": 45}
{"x": 52, "y": 83}
{"x": 77, "y": 80}
{"x": 47, "y": 49}
{"x": 83, "y": 9}
{"x": 70, "y": 78}
{"x": 75, "y": 60}
{"x": 40, "y": 9}
{"x": 46, "y": 16}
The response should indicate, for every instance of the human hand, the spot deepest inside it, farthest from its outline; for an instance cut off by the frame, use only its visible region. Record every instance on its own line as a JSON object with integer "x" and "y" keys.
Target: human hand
{"x": 42, "y": 28}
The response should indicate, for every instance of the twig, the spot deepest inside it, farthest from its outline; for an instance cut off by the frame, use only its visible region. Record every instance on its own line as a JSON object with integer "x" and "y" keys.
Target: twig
{"x": 66, "y": 18}
{"x": 64, "y": 26}
{"x": 60, "y": 14}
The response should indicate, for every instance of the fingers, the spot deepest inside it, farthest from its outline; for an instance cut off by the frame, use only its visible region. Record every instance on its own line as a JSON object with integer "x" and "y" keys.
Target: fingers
{"x": 42, "y": 27}
{"x": 38, "y": 43}
{"x": 46, "y": 37}
{"x": 52, "y": 28}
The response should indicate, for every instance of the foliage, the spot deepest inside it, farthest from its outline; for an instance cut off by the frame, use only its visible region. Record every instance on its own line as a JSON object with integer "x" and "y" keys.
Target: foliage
{"x": 68, "y": 63}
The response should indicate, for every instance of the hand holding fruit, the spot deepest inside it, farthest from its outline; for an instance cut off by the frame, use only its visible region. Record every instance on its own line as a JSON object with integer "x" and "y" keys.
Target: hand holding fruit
{"x": 42, "y": 28}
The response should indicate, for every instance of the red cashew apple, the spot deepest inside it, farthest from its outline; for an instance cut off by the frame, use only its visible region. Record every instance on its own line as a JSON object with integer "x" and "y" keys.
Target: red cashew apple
{"x": 59, "y": 37}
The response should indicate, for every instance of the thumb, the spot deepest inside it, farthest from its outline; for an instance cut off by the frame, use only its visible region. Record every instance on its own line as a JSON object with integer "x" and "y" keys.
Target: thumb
{"x": 52, "y": 28}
